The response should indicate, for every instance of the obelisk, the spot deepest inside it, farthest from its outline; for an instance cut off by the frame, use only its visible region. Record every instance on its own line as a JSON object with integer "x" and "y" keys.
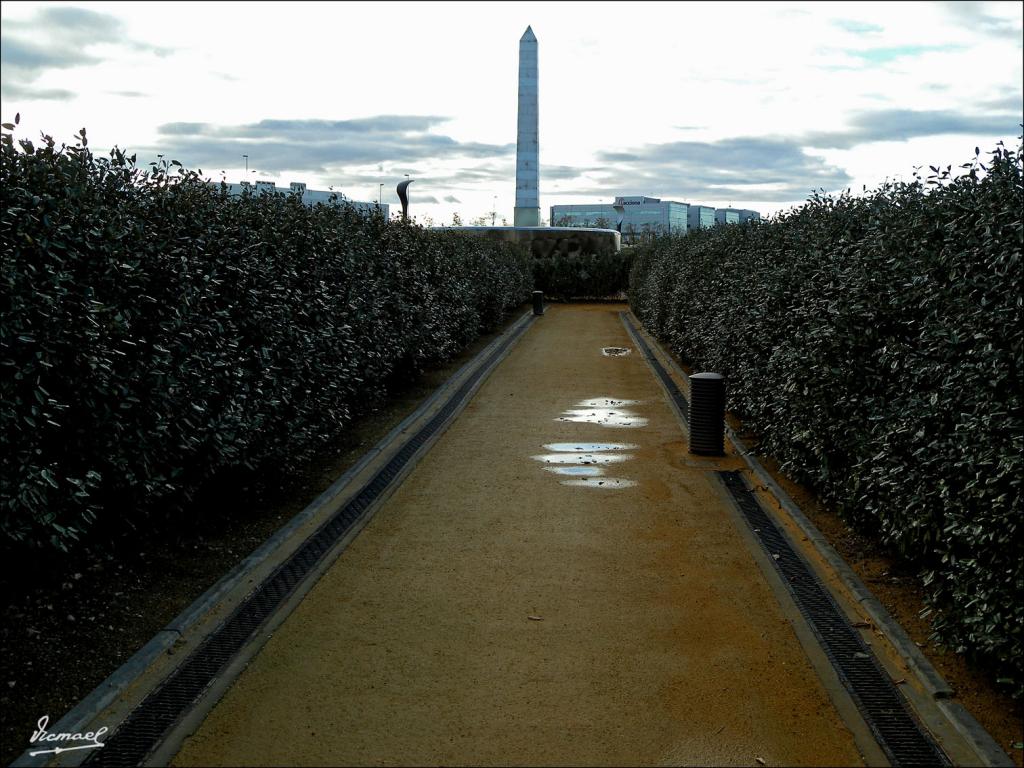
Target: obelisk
{"x": 527, "y": 213}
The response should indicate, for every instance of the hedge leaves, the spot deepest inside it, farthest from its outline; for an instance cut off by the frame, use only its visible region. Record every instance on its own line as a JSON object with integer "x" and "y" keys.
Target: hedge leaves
{"x": 874, "y": 343}
{"x": 156, "y": 331}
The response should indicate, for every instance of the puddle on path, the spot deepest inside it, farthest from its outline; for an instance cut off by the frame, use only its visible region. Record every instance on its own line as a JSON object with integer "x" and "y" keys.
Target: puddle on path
{"x": 591, "y": 471}
{"x": 584, "y": 462}
{"x": 603, "y": 482}
{"x": 583, "y": 458}
{"x": 589, "y": 447}
{"x": 606, "y": 411}
{"x": 606, "y": 402}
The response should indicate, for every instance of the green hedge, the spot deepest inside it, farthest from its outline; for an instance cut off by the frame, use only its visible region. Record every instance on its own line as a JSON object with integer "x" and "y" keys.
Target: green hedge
{"x": 156, "y": 331}
{"x": 874, "y": 343}
{"x": 582, "y": 275}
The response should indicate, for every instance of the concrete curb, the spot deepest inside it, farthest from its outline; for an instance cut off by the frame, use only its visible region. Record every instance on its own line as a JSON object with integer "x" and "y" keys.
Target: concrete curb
{"x": 92, "y": 706}
{"x": 986, "y": 747}
{"x": 192, "y": 719}
{"x": 683, "y": 418}
{"x": 936, "y": 686}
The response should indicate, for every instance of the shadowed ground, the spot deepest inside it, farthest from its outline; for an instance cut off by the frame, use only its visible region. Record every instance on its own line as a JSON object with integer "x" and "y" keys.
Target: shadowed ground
{"x": 490, "y": 614}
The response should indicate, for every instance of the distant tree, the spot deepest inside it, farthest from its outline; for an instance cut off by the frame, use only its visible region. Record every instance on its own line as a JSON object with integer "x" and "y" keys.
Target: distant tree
{"x": 456, "y": 219}
{"x": 504, "y": 221}
{"x": 481, "y": 221}
{"x": 428, "y": 221}
{"x": 602, "y": 223}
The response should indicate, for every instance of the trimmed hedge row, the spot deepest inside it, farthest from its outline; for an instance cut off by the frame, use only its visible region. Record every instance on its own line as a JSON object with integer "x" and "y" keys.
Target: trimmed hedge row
{"x": 156, "y": 331}
{"x": 874, "y": 343}
{"x": 583, "y": 275}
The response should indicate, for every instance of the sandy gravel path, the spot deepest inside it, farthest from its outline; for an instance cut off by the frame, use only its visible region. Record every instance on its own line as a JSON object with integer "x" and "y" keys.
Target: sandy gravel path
{"x": 490, "y": 614}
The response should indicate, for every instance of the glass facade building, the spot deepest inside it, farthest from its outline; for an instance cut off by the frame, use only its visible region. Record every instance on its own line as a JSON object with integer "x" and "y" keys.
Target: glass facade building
{"x": 309, "y": 196}
{"x": 735, "y": 215}
{"x": 641, "y": 217}
{"x": 600, "y": 216}
{"x": 727, "y": 216}
{"x": 702, "y": 217}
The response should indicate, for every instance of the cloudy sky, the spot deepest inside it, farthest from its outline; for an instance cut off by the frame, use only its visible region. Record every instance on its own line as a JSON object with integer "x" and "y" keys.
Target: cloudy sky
{"x": 751, "y": 105}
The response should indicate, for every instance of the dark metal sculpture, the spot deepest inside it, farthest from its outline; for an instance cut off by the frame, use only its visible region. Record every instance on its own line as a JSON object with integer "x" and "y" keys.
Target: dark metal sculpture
{"x": 620, "y": 214}
{"x": 403, "y": 195}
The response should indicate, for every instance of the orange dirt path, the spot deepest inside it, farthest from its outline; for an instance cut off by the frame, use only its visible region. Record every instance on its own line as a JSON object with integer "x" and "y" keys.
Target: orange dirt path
{"x": 490, "y": 614}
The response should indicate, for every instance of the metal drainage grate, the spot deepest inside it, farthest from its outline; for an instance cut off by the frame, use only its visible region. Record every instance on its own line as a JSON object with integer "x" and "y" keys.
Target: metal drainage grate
{"x": 147, "y": 724}
{"x": 677, "y": 397}
{"x": 880, "y": 703}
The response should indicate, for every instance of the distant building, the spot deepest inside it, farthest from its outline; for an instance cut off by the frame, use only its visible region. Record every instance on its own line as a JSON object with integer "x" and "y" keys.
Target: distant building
{"x": 644, "y": 216}
{"x": 591, "y": 215}
{"x": 701, "y": 217}
{"x": 641, "y": 216}
{"x": 309, "y": 197}
{"x": 727, "y": 216}
{"x": 735, "y": 215}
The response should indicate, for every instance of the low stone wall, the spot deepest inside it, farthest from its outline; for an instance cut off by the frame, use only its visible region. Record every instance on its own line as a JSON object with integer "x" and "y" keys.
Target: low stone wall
{"x": 545, "y": 242}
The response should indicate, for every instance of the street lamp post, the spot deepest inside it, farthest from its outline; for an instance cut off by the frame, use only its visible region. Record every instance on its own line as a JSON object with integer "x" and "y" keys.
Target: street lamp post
{"x": 246, "y": 165}
{"x": 494, "y": 209}
{"x": 380, "y": 193}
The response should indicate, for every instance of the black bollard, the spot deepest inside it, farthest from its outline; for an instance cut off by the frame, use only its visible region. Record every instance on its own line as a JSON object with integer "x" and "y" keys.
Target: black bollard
{"x": 707, "y": 414}
{"x": 538, "y": 302}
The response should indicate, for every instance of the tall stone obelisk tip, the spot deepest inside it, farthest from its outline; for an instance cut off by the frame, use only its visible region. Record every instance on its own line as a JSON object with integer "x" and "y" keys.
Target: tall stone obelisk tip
{"x": 527, "y": 210}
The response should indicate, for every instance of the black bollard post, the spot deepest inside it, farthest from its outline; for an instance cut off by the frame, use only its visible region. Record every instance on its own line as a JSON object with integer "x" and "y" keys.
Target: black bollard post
{"x": 538, "y": 302}
{"x": 707, "y": 414}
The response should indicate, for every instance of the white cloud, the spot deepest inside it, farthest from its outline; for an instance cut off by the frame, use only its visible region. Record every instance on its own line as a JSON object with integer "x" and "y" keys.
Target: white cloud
{"x": 614, "y": 78}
